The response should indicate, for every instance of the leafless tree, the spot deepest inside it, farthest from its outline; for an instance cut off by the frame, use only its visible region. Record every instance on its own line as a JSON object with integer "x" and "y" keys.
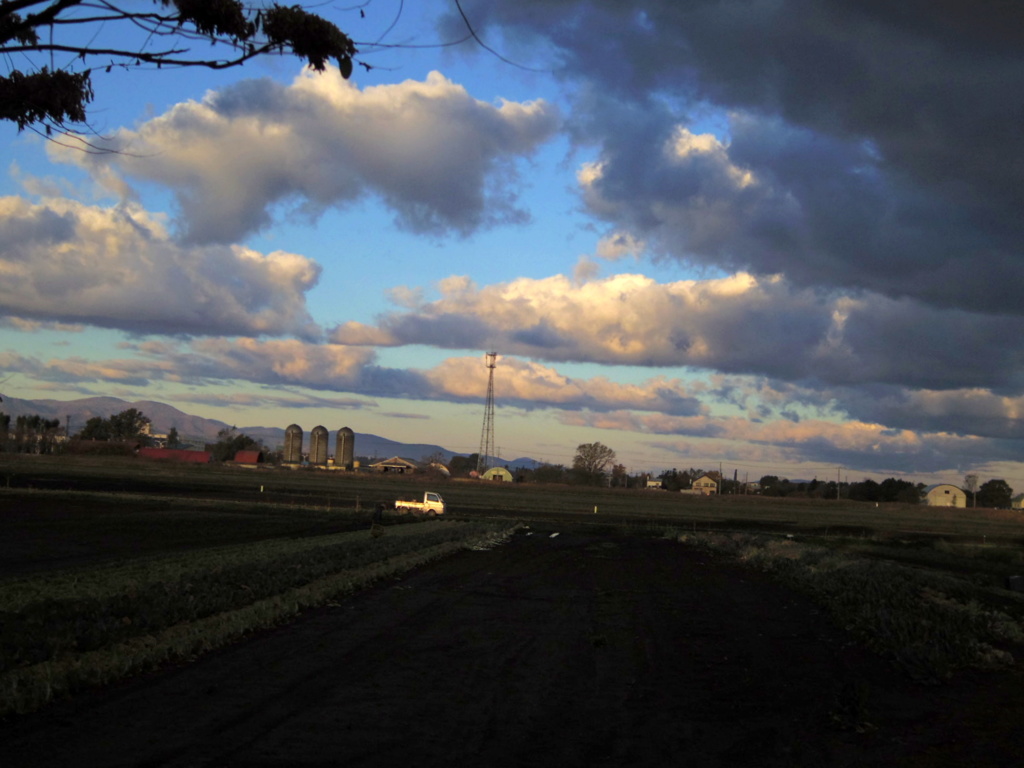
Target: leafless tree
{"x": 591, "y": 460}
{"x": 39, "y": 93}
{"x": 971, "y": 483}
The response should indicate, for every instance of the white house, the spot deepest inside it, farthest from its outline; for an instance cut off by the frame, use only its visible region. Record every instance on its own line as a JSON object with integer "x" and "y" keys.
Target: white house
{"x": 944, "y": 495}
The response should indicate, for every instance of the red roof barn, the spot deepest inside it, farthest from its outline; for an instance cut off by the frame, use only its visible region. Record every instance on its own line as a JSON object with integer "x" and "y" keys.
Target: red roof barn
{"x": 248, "y": 457}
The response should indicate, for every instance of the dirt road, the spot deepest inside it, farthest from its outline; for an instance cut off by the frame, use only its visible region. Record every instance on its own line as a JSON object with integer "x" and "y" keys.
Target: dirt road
{"x": 548, "y": 651}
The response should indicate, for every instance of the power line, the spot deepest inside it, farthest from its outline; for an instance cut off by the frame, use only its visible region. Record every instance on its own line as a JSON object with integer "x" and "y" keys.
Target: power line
{"x": 487, "y": 431}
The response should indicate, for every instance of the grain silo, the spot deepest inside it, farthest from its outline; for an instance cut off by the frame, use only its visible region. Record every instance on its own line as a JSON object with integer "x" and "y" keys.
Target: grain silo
{"x": 345, "y": 447}
{"x": 293, "y": 445}
{"x": 318, "y": 446}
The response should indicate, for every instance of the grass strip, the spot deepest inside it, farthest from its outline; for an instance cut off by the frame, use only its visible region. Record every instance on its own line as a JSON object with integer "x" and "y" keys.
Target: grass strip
{"x": 928, "y": 623}
{"x": 107, "y": 605}
{"x": 101, "y": 581}
{"x": 30, "y": 686}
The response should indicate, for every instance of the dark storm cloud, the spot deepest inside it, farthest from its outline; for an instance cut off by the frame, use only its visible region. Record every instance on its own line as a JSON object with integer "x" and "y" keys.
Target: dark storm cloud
{"x": 733, "y": 326}
{"x": 272, "y": 397}
{"x": 22, "y": 235}
{"x": 75, "y": 371}
{"x": 968, "y": 412}
{"x": 445, "y": 330}
{"x": 885, "y": 140}
{"x": 931, "y": 454}
{"x": 901, "y": 342}
{"x": 392, "y": 382}
{"x": 857, "y": 446}
{"x": 960, "y": 412}
{"x": 540, "y": 335}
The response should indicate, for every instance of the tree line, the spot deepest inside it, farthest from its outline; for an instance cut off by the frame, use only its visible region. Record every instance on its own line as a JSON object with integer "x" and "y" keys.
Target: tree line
{"x": 588, "y": 467}
{"x": 593, "y": 464}
{"x": 29, "y": 434}
{"x": 995, "y": 493}
{"x": 37, "y": 434}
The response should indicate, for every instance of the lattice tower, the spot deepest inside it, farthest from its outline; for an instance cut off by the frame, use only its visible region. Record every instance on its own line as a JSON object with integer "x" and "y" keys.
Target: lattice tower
{"x": 487, "y": 433}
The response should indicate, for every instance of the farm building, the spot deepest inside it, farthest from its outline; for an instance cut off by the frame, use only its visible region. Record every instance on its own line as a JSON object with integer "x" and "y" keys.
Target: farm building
{"x": 293, "y": 444}
{"x": 248, "y": 458}
{"x": 395, "y": 464}
{"x": 1017, "y": 502}
{"x": 178, "y": 455}
{"x": 318, "y": 438}
{"x": 344, "y": 452}
{"x": 944, "y": 495}
{"x": 498, "y": 475}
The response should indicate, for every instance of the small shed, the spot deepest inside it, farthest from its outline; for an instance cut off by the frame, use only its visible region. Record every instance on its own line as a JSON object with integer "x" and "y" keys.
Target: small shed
{"x": 1017, "y": 502}
{"x": 498, "y": 475}
{"x": 944, "y": 495}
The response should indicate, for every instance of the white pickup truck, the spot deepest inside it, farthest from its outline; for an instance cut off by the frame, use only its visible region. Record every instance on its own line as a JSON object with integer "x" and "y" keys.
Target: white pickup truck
{"x": 432, "y": 504}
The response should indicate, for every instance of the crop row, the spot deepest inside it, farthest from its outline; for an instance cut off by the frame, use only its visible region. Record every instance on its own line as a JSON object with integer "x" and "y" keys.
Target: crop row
{"x": 929, "y": 623}
{"x": 63, "y": 632}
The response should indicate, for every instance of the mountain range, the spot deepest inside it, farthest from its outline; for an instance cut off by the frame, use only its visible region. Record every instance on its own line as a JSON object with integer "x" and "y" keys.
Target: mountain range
{"x": 198, "y": 431}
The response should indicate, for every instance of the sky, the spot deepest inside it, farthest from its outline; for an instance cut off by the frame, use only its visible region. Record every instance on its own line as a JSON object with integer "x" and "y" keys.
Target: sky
{"x": 773, "y": 237}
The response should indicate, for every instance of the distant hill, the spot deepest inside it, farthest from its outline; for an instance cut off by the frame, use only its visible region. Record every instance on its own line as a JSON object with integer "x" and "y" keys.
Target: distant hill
{"x": 197, "y": 430}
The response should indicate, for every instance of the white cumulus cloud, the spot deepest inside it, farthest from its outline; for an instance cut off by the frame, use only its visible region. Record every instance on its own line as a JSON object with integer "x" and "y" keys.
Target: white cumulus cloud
{"x": 63, "y": 261}
{"x": 440, "y": 159}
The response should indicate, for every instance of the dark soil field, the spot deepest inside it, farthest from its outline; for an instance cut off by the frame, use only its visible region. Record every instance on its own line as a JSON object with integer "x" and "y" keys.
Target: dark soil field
{"x": 573, "y": 650}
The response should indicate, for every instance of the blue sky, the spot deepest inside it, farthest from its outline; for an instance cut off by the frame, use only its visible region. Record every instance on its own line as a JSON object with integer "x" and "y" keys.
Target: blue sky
{"x": 783, "y": 240}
